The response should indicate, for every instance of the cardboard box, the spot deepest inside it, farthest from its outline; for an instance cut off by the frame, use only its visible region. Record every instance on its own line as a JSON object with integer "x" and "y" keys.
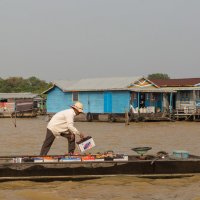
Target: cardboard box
{"x": 86, "y": 144}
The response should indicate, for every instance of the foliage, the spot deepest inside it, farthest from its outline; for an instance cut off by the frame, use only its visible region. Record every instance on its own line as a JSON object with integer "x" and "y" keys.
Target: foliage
{"x": 158, "y": 76}
{"x": 19, "y": 84}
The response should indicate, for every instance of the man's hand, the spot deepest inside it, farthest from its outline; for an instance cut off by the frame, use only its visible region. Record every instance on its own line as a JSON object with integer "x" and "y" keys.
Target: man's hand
{"x": 81, "y": 135}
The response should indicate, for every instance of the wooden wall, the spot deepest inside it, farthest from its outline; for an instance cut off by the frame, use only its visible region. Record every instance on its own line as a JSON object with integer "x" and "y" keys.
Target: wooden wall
{"x": 93, "y": 101}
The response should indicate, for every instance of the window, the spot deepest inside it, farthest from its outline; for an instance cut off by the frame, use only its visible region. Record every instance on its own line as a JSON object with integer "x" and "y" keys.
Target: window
{"x": 75, "y": 96}
{"x": 198, "y": 94}
{"x": 185, "y": 97}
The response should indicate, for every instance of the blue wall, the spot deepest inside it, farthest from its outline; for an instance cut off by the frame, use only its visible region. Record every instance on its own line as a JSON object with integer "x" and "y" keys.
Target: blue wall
{"x": 107, "y": 102}
{"x": 94, "y": 102}
{"x": 120, "y": 101}
{"x": 57, "y": 100}
{"x": 97, "y": 102}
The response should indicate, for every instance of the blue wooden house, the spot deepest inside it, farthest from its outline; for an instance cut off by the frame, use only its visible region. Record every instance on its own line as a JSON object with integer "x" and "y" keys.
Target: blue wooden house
{"x": 108, "y": 95}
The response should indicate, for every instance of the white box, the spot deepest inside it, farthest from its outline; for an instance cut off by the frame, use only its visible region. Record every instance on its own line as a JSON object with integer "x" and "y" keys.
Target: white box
{"x": 70, "y": 160}
{"x": 151, "y": 109}
{"x": 50, "y": 160}
{"x": 99, "y": 160}
{"x": 86, "y": 144}
{"x": 38, "y": 160}
{"x": 17, "y": 160}
{"x": 125, "y": 158}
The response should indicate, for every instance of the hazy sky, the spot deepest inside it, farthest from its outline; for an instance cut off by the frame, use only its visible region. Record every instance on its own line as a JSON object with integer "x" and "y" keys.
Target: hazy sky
{"x": 63, "y": 39}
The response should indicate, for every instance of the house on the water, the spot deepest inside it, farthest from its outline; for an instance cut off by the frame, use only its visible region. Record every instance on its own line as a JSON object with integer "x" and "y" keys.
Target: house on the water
{"x": 186, "y": 98}
{"x": 112, "y": 96}
{"x": 20, "y": 104}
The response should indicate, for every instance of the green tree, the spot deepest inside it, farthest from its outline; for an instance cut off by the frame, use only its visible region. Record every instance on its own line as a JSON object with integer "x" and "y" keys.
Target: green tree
{"x": 19, "y": 84}
{"x": 15, "y": 84}
{"x": 1, "y": 84}
{"x": 158, "y": 76}
{"x": 37, "y": 85}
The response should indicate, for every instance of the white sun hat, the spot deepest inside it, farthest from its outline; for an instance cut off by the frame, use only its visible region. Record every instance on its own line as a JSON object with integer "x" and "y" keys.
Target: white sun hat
{"x": 78, "y": 106}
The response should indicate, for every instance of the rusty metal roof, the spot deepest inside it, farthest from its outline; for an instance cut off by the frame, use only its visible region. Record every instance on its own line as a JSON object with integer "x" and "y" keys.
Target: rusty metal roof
{"x": 26, "y": 95}
{"x": 184, "y": 82}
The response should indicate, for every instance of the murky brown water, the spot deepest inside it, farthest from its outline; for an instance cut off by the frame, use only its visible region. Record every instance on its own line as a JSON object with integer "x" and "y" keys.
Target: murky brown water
{"x": 29, "y": 134}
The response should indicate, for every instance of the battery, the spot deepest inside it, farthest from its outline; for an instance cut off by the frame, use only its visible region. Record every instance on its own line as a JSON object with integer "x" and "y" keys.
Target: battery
{"x": 86, "y": 143}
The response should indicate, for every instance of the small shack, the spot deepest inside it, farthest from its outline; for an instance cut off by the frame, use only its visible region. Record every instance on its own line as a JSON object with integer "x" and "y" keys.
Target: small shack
{"x": 21, "y": 104}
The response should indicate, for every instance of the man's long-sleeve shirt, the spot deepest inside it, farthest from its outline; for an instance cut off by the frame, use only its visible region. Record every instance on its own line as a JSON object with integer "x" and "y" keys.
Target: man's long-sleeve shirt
{"x": 63, "y": 122}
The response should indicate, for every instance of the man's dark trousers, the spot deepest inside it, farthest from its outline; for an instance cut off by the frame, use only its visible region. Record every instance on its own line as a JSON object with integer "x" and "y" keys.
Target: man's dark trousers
{"x": 50, "y": 139}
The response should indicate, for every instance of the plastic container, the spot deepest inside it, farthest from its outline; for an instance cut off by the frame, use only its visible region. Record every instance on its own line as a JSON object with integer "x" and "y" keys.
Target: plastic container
{"x": 180, "y": 154}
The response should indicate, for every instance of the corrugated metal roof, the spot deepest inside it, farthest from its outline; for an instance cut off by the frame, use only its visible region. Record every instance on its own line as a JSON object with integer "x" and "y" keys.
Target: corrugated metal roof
{"x": 94, "y": 84}
{"x": 63, "y": 84}
{"x": 111, "y": 83}
{"x": 17, "y": 95}
{"x": 184, "y": 82}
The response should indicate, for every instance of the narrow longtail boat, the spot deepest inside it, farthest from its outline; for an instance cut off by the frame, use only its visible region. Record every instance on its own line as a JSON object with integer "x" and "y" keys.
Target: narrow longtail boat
{"x": 91, "y": 165}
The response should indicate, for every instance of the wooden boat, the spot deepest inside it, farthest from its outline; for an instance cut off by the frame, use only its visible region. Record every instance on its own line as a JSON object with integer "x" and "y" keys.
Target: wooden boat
{"x": 56, "y": 166}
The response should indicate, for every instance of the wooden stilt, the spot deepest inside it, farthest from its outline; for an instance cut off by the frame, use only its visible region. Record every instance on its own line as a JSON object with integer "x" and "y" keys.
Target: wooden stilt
{"x": 126, "y": 118}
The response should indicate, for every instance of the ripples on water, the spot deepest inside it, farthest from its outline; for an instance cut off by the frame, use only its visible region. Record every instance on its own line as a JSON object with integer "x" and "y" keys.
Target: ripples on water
{"x": 29, "y": 134}
{"x": 119, "y": 187}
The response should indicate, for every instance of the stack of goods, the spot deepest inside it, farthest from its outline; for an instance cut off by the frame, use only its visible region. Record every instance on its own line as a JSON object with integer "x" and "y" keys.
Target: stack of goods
{"x": 28, "y": 159}
{"x": 38, "y": 160}
{"x": 111, "y": 156}
{"x": 120, "y": 157}
{"x": 50, "y": 159}
{"x": 107, "y": 156}
{"x": 17, "y": 160}
{"x": 70, "y": 159}
{"x": 98, "y": 157}
{"x": 88, "y": 157}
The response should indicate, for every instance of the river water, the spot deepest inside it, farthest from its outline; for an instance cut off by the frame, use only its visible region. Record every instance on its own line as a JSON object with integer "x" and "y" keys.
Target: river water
{"x": 27, "y": 138}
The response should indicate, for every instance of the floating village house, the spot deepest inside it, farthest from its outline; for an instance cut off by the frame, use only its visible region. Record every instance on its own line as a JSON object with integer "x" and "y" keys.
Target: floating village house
{"x": 111, "y": 96}
{"x": 19, "y": 103}
{"x": 186, "y": 97}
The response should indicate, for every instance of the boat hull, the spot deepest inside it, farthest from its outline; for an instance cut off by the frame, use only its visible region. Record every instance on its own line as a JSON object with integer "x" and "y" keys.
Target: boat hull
{"x": 92, "y": 168}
